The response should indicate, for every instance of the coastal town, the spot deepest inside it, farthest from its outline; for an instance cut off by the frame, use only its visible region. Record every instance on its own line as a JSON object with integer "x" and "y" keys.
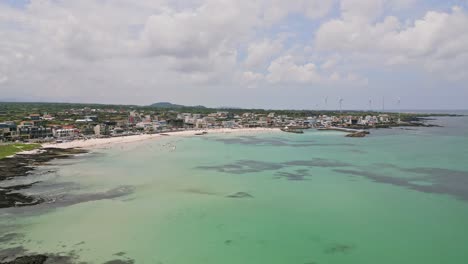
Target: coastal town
{"x": 87, "y": 122}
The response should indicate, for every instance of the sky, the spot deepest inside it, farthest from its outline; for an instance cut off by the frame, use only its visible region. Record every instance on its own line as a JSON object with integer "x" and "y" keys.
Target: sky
{"x": 277, "y": 54}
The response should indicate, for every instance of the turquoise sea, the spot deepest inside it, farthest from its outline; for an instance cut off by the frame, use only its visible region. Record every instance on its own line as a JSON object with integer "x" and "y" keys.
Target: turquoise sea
{"x": 396, "y": 196}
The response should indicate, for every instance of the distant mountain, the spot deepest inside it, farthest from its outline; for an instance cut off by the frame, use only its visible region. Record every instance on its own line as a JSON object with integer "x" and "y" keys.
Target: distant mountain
{"x": 171, "y": 105}
{"x": 228, "y": 107}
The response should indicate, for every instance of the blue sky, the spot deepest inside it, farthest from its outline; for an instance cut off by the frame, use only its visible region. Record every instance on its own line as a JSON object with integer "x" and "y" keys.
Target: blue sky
{"x": 17, "y": 3}
{"x": 261, "y": 53}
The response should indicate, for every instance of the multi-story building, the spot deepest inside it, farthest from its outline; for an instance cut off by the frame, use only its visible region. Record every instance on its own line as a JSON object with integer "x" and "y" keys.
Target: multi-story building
{"x": 33, "y": 132}
{"x": 65, "y": 133}
{"x": 7, "y": 130}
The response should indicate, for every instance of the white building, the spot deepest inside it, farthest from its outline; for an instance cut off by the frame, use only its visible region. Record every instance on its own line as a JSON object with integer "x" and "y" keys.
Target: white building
{"x": 64, "y": 133}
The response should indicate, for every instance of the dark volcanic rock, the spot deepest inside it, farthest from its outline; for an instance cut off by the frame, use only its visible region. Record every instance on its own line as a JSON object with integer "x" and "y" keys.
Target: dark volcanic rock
{"x": 19, "y": 255}
{"x": 36, "y": 259}
{"x": 357, "y": 134}
{"x": 119, "y": 261}
{"x": 21, "y": 165}
{"x": 9, "y": 199}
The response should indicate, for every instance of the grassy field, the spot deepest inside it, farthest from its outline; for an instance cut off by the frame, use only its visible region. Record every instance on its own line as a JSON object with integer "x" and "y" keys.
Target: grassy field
{"x": 10, "y": 149}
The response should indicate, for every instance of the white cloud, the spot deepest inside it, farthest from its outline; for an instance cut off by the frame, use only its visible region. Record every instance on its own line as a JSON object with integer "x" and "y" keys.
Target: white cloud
{"x": 3, "y": 79}
{"x": 356, "y": 79}
{"x": 335, "y": 76}
{"x": 285, "y": 70}
{"x": 361, "y": 9}
{"x": 330, "y": 62}
{"x": 197, "y": 32}
{"x": 252, "y": 79}
{"x": 434, "y": 41}
{"x": 261, "y": 52}
{"x": 369, "y": 10}
{"x": 275, "y": 10}
{"x": 252, "y": 76}
{"x": 125, "y": 50}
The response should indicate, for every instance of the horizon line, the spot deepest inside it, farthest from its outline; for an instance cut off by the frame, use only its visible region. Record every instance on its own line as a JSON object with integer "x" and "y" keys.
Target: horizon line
{"x": 236, "y": 107}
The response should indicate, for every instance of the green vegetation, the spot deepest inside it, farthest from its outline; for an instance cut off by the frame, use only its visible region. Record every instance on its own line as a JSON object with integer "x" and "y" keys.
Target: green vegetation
{"x": 10, "y": 149}
{"x": 18, "y": 112}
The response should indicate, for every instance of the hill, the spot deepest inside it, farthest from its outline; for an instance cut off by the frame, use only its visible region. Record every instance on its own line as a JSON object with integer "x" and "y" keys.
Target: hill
{"x": 173, "y": 106}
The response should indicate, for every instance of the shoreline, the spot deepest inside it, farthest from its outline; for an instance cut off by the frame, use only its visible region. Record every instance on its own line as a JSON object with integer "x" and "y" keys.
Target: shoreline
{"x": 24, "y": 162}
{"x": 96, "y": 143}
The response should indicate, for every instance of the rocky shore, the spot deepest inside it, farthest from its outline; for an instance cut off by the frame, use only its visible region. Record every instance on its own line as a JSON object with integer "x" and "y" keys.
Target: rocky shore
{"x": 35, "y": 259}
{"x": 21, "y": 165}
{"x": 358, "y": 134}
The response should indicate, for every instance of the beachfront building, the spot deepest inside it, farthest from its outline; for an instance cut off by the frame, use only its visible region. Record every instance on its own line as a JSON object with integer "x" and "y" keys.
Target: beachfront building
{"x": 384, "y": 118}
{"x": 7, "y": 131}
{"x": 145, "y": 126}
{"x": 175, "y": 123}
{"x": 65, "y": 133}
{"x": 34, "y": 132}
{"x": 117, "y": 131}
{"x": 229, "y": 124}
{"x": 200, "y": 123}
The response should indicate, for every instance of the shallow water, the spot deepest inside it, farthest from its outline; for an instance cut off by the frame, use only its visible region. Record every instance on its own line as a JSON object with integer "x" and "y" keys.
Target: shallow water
{"x": 397, "y": 196}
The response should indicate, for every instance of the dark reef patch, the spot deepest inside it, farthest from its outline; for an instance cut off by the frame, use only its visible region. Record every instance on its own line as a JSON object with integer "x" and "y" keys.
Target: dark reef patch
{"x": 10, "y": 237}
{"x": 199, "y": 191}
{"x": 120, "y": 261}
{"x": 9, "y": 197}
{"x": 357, "y": 151}
{"x": 317, "y": 163}
{"x": 239, "y": 195}
{"x": 443, "y": 181}
{"x": 19, "y": 255}
{"x": 298, "y": 175}
{"x": 22, "y": 165}
{"x": 71, "y": 199}
{"x": 252, "y": 166}
{"x": 257, "y": 141}
{"x": 244, "y": 166}
{"x": 339, "y": 249}
{"x": 66, "y": 199}
{"x": 274, "y": 141}
{"x": 14, "y": 199}
{"x": 34, "y": 259}
{"x": 375, "y": 177}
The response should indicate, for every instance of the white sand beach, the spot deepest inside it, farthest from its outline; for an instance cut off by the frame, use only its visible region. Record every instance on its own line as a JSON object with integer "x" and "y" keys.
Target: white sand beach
{"x": 104, "y": 142}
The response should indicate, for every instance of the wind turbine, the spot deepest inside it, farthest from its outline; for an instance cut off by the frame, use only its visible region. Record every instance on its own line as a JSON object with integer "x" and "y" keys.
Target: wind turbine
{"x": 383, "y": 103}
{"x": 370, "y": 104}
{"x": 399, "y": 109}
{"x": 341, "y": 102}
{"x": 326, "y": 102}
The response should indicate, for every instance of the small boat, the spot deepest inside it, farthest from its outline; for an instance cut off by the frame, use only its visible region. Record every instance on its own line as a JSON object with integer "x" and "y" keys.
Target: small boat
{"x": 201, "y": 133}
{"x": 292, "y": 130}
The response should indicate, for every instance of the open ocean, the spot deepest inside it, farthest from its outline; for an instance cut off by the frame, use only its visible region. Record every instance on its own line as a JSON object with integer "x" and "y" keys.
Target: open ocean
{"x": 396, "y": 196}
